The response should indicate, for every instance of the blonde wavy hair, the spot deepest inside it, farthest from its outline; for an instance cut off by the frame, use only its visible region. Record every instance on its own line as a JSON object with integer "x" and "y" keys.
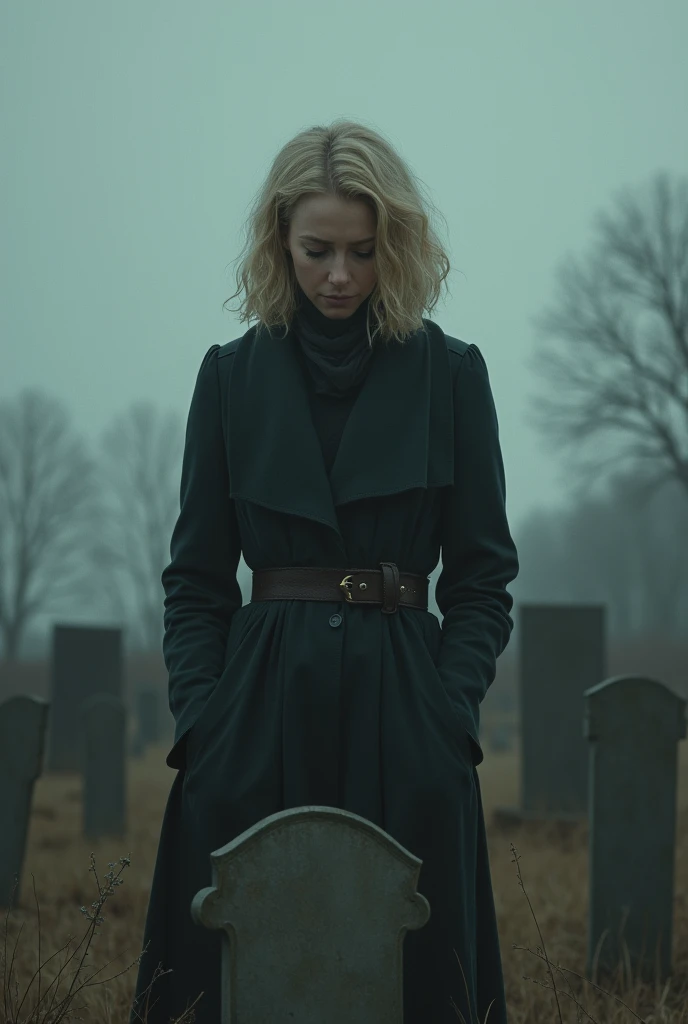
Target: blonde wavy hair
{"x": 351, "y": 161}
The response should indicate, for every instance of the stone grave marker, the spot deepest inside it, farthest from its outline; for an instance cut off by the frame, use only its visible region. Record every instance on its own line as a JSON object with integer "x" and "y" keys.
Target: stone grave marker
{"x": 312, "y": 902}
{"x": 23, "y": 722}
{"x": 85, "y": 660}
{"x": 562, "y": 652}
{"x": 103, "y": 746}
{"x": 633, "y": 726}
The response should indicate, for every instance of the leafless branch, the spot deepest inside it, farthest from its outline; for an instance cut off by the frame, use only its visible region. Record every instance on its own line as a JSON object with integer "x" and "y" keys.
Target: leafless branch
{"x": 47, "y": 496}
{"x": 614, "y": 346}
{"x": 140, "y": 473}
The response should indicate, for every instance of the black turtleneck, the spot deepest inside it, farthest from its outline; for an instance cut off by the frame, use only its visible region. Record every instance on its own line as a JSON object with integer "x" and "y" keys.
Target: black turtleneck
{"x": 334, "y": 355}
{"x": 337, "y": 350}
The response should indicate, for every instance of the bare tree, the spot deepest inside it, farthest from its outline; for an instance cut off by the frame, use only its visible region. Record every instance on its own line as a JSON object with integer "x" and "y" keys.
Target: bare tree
{"x": 661, "y": 528}
{"x": 627, "y": 554}
{"x": 615, "y": 346}
{"x": 47, "y": 501}
{"x": 140, "y": 469}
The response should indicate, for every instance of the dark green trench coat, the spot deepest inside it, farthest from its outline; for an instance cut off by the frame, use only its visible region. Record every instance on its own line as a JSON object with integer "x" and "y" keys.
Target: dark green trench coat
{"x": 278, "y": 703}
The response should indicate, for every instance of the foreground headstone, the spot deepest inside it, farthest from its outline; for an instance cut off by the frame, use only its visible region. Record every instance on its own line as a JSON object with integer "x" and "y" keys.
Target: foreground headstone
{"x": 23, "y": 722}
{"x": 562, "y": 652}
{"x": 633, "y": 726}
{"x": 85, "y": 660}
{"x": 312, "y": 902}
{"x": 103, "y": 720}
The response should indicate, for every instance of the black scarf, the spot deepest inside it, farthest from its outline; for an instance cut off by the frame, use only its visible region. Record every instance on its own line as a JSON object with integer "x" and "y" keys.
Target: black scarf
{"x": 337, "y": 351}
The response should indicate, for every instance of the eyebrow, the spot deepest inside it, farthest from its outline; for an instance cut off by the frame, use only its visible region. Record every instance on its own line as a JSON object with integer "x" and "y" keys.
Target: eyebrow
{"x": 361, "y": 241}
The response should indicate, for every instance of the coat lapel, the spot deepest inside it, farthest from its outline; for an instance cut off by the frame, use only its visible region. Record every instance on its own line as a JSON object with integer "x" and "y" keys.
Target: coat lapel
{"x": 399, "y": 434}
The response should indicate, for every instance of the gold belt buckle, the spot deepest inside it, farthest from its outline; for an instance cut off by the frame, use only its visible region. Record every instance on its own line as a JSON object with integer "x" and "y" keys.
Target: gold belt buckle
{"x": 347, "y": 586}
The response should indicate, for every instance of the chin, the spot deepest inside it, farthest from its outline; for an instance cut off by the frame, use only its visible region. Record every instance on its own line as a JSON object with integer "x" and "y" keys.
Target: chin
{"x": 337, "y": 314}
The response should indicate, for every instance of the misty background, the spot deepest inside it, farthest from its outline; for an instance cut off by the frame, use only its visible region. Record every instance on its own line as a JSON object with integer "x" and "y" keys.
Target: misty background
{"x": 552, "y": 139}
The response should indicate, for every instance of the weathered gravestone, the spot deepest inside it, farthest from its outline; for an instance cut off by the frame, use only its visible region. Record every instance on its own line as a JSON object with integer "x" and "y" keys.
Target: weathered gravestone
{"x": 103, "y": 726}
{"x": 85, "y": 660}
{"x": 633, "y": 725}
{"x": 23, "y": 722}
{"x": 562, "y": 652}
{"x": 314, "y": 903}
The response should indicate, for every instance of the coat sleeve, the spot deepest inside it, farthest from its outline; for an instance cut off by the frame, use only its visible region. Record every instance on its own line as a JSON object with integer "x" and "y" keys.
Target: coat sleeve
{"x": 200, "y": 582}
{"x": 479, "y": 557}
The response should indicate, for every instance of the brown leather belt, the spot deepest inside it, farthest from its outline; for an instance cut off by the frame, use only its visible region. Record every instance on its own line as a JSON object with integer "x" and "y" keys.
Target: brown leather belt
{"x": 385, "y": 586}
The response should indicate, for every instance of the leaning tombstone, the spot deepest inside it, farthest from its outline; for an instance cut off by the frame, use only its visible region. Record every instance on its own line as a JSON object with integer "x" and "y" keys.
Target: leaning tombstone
{"x": 562, "y": 652}
{"x": 85, "y": 659}
{"x": 103, "y": 723}
{"x": 307, "y": 942}
{"x": 23, "y": 722}
{"x": 633, "y": 726}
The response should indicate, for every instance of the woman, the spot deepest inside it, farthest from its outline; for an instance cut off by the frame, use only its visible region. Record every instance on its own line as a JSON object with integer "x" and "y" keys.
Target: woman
{"x": 346, "y": 435}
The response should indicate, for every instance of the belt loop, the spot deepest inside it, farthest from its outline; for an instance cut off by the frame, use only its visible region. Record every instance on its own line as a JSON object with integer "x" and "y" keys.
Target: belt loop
{"x": 390, "y": 587}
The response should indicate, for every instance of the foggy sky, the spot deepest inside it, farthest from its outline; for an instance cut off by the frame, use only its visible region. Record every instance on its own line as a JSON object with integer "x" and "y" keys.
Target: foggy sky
{"x": 134, "y": 135}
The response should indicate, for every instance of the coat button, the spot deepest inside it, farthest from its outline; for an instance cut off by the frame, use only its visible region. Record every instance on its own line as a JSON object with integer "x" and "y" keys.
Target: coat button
{"x": 336, "y": 619}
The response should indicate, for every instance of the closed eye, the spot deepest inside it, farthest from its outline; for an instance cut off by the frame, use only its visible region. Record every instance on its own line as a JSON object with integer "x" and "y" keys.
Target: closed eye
{"x": 315, "y": 255}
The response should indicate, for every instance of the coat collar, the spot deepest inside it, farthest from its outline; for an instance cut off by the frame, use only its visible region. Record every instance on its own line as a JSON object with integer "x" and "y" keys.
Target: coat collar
{"x": 398, "y": 436}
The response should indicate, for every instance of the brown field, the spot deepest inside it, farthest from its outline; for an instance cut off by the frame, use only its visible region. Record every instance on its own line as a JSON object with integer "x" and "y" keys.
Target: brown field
{"x": 553, "y": 867}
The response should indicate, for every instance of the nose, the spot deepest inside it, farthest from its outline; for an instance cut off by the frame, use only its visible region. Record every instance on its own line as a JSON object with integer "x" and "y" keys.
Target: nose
{"x": 339, "y": 271}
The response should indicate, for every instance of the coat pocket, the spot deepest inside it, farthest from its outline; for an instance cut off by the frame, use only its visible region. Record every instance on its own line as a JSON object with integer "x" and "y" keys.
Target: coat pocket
{"x": 432, "y": 638}
{"x": 239, "y": 633}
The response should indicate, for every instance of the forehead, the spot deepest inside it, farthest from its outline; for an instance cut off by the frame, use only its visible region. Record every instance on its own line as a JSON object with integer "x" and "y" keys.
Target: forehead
{"x": 329, "y": 216}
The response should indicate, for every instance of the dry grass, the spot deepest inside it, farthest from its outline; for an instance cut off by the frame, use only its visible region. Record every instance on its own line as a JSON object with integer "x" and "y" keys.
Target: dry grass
{"x": 547, "y": 912}
{"x": 554, "y": 865}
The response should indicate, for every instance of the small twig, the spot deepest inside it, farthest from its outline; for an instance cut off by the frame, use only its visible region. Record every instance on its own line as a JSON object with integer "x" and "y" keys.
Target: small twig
{"x": 38, "y": 914}
{"x": 543, "y": 984}
{"x": 465, "y": 986}
{"x": 59, "y": 1009}
{"x": 516, "y": 859}
{"x": 37, "y": 972}
{"x": 586, "y": 981}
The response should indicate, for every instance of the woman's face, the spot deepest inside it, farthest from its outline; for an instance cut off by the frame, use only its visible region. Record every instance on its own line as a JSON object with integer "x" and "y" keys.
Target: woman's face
{"x": 332, "y": 244}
